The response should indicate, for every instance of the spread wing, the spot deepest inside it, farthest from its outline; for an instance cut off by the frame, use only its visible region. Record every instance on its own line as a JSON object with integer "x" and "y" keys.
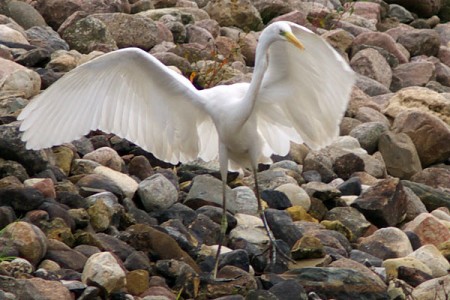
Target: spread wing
{"x": 131, "y": 94}
{"x": 304, "y": 93}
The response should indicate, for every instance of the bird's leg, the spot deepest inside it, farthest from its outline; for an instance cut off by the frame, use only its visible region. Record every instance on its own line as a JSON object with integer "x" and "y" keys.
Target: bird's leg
{"x": 223, "y": 161}
{"x": 273, "y": 244}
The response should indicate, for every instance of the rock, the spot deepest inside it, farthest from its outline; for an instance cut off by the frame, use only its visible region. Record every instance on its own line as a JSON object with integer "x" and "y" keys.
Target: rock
{"x": 34, "y": 288}
{"x": 137, "y": 281}
{"x": 382, "y": 40}
{"x": 369, "y": 114}
{"x": 330, "y": 282}
{"x": 368, "y": 135}
{"x": 28, "y": 239}
{"x": 420, "y": 42}
{"x": 365, "y": 258}
{"x": 401, "y": 13}
{"x": 89, "y": 34}
{"x": 185, "y": 15}
{"x": 21, "y": 199}
{"x": 434, "y": 177}
{"x": 208, "y": 190}
{"x": 18, "y": 80}
{"x": 429, "y": 229}
{"x": 347, "y": 164}
{"x": 102, "y": 269}
{"x": 275, "y": 199}
{"x": 399, "y": 154}
{"x": 44, "y": 185}
{"x": 239, "y": 280}
{"x": 131, "y": 30}
{"x": 412, "y": 74}
{"x": 157, "y": 193}
{"x": 10, "y": 35}
{"x": 307, "y": 247}
{"x": 23, "y": 13}
{"x": 289, "y": 290}
{"x": 45, "y": 37}
{"x": 241, "y": 14}
{"x": 246, "y": 202}
{"x": 383, "y": 204}
{"x": 249, "y": 228}
{"x": 431, "y": 197}
{"x": 282, "y": 226}
{"x": 126, "y": 184}
{"x": 140, "y": 167}
{"x": 297, "y": 195}
{"x": 100, "y": 216}
{"x": 12, "y": 168}
{"x": 350, "y": 218}
{"x": 430, "y": 256}
{"x": 394, "y": 267}
{"x": 107, "y": 157}
{"x": 428, "y": 133}
{"x": 369, "y": 62}
{"x": 65, "y": 256}
{"x": 386, "y": 243}
{"x": 437, "y": 287}
{"x": 145, "y": 238}
{"x": 56, "y": 12}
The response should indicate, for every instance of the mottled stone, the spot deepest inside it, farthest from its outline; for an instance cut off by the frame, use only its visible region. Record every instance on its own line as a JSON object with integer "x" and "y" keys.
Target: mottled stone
{"x": 103, "y": 270}
{"x": 429, "y": 229}
{"x": 386, "y": 243}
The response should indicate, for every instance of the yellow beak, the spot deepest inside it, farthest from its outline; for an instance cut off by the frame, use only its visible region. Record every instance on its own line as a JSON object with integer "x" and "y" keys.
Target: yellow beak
{"x": 293, "y": 39}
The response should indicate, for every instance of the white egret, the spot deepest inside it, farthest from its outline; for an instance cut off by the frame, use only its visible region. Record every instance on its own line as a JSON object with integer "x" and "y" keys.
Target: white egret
{"x": 299, "y": 92}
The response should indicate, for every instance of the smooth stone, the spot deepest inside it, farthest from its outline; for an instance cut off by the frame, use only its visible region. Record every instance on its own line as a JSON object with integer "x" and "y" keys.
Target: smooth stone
{"x": 430, "y": 256}
{"x": 433, "y": 289}
{"x": 107, "y": 157}
{"x": 296, "y": 195}
{"x": 126, "y": 184}
{"x": 246, "y": 202}
{"x": 104, "y": 270}
{"x": 282, "y": 226}
{"x": 386, "y": 243}
{"x": 65, "y": 256}
{"x": 275, "y": 199}
{"x": 432, "y": 198}
{"x": 429, "y": 229}
{"x": 157, "y": 193}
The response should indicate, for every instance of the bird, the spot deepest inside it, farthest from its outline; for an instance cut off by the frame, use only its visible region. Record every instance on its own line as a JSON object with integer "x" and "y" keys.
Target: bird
{"x": 299, "y": 92}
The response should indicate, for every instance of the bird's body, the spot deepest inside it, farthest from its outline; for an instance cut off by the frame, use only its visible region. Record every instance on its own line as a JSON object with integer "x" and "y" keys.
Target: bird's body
{"x": 296, "y": 95}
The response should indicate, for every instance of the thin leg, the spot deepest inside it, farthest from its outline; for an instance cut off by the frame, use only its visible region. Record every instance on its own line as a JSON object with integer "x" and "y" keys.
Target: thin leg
{"x": 273, "y": 245}
{"x": 223, "y": 160}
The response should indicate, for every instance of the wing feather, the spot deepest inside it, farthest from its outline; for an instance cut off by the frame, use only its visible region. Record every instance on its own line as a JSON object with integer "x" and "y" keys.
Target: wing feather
{"x": 127, "y": 92}
{"x": 304, "y": 92}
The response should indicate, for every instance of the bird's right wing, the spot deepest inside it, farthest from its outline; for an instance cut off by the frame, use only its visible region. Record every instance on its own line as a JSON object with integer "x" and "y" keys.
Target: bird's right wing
{"x": 131, "y": 94}
{"x": 304, "y": 93}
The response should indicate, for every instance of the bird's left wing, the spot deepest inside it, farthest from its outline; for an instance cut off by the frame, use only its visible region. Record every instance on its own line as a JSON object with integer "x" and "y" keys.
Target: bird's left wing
{"x": 304, "y": 93}
{"x": 129, "y": 93}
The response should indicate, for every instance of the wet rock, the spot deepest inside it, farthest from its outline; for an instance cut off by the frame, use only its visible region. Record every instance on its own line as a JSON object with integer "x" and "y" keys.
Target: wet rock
{"x": 399, "y": 154}
{"x": 103, "y": 270}
{"x": 386, "y": 243}
{"x": 384, "y": 204}
{"x": 276, "y": 199}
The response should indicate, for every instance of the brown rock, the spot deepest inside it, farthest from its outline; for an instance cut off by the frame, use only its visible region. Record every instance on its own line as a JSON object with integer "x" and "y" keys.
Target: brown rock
{"x": 384, "y": 204}
{"x": 145, "y": 238}
{"x": 420, "y": 42}
{"x": 382, "y": 40}
{"x": 65, "y": 256}
{"x": 430, "y": 135}
{"x": 369, "y": 62}
{"x": 412, "y": 74}
{"x": 137, "y": 281}
{"x": 238, "y": 282}
{"x": 386, "y": 243}
{"x": 434, "y": 177}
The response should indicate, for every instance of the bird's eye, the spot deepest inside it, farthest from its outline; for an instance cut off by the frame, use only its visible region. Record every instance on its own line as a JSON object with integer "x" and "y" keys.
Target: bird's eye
{"x": 281, "y": 32}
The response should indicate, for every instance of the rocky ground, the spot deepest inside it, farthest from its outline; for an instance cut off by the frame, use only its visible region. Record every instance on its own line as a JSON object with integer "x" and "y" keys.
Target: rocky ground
{"x": 365, "y": 218}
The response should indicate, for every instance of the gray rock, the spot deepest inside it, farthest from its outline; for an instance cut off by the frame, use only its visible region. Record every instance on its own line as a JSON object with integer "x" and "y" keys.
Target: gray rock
{"x": 401, "y": 13}
{"x": 65, "y": 256}
{"x": 157, "y": 192}
{"x": 370, "y": 86}
{"x": 399, "y": 154}
{"x": 350, "y": 218}
{"x": 45, "y": 37}
{"x": 368, "y": 135}
{"x": 23, "y": 13}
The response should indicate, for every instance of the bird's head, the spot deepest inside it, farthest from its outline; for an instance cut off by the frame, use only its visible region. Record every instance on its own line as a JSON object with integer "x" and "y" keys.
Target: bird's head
{"x": 283, "y": 31}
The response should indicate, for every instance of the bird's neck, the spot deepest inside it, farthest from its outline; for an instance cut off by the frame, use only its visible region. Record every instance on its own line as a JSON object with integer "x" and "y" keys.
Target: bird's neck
{"x": 248, "y": 103}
